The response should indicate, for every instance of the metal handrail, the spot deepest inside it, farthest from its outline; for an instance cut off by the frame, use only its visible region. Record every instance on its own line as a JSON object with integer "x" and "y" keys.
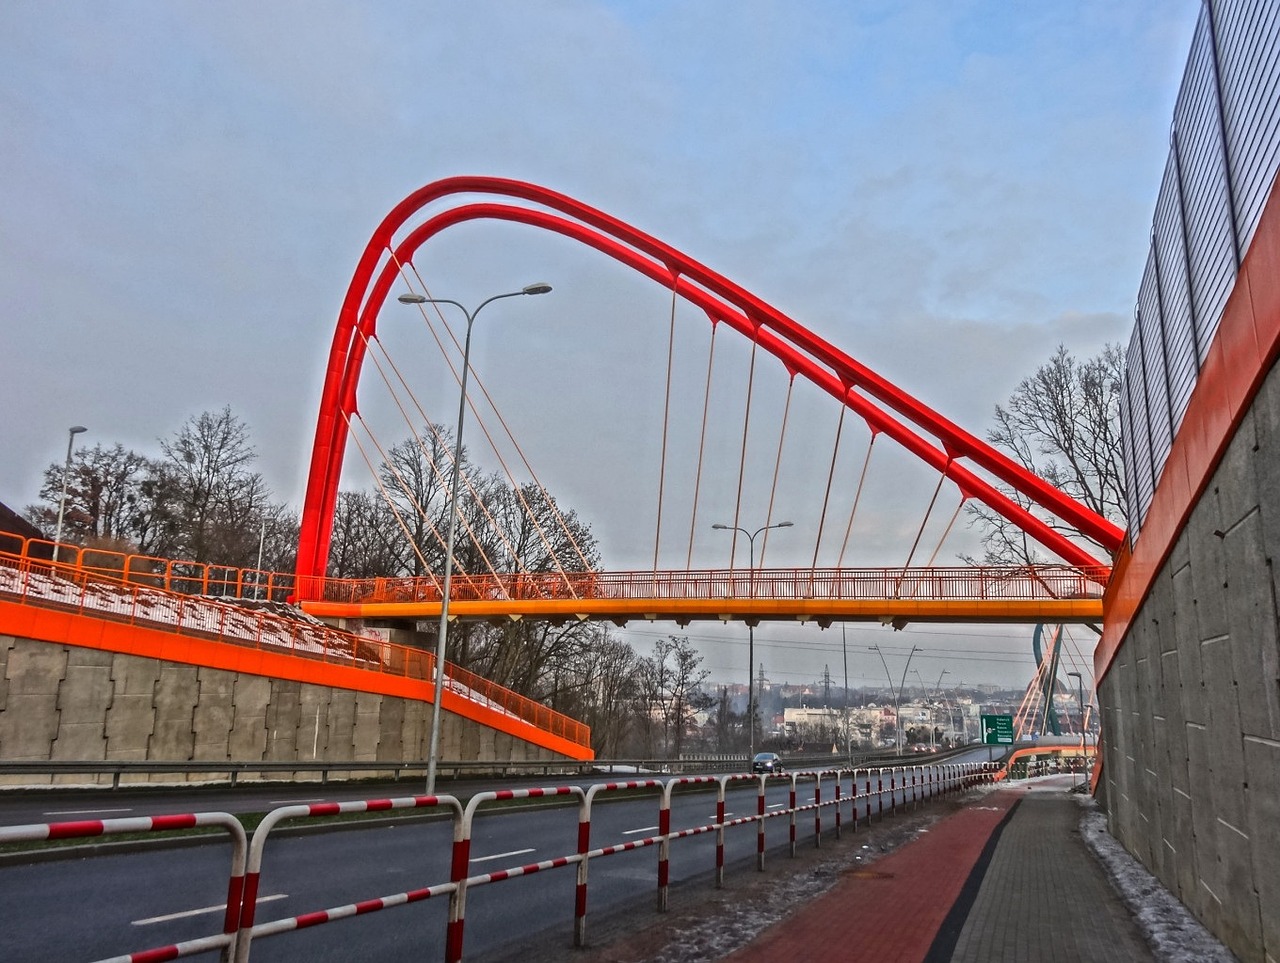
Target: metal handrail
{"x": 234, "y": 771}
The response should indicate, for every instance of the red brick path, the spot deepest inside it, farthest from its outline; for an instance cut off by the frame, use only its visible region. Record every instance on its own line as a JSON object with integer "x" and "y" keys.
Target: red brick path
{"x": 890, "y": 911}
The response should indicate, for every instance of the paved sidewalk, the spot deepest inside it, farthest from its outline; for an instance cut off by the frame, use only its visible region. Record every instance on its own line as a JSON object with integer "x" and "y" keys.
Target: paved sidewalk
{"x": 1006, "y": 879}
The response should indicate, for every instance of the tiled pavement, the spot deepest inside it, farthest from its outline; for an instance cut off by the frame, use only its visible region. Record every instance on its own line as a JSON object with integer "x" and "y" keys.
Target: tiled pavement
{"x": 1008, "y": 878}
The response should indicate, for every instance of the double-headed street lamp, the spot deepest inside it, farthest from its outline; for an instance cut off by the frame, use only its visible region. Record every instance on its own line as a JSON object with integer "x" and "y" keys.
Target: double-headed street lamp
{"x": 66, "y": 472}
{"x": 442, "y": 636}
{"x": 932, "y": 698}
{"x": 897, "y": 693}
{"x": 751, "y": 628}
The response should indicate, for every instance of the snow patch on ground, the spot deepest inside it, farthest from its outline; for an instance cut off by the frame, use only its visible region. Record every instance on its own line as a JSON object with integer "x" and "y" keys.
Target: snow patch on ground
{"x": 1174, "y": 934}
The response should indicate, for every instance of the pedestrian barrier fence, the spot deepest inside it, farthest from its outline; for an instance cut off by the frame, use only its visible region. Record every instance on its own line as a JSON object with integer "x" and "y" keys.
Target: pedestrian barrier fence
{"x": 865, "y": 798}
{"x": 224, "y": 942}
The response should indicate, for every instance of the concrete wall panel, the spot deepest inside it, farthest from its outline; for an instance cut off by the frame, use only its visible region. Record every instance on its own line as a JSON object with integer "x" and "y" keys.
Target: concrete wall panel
{"x": 130, "y": 721}
{"x": 177, "y": 688}
{"x": 1262, "y": 761}
{"x": 313, "y": 722}
{"x": 1251, "y": 620}
{"x": 83, "y": 699}
{"x": 251, "y": 695}
{"x": 342, "y": 725}
{"x": 391, "y": 729}
{"x": 1226, "y": 750}
{"x": 7, "y": 643}
{"x": 214, "y": 715}
{"x": 72, "y": 703}
{"x": 284, "y": 716}
{"x": 1191, "y": 702}
{"x": 367, "y": 729}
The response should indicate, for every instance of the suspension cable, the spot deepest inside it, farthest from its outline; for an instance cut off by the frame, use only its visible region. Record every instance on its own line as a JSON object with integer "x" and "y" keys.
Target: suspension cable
{"x": 742, "y": 457}
{"x": 392, "y": 505}
{"x": 422, "y": 512}
{"x": 947, "y": 531}
{"x": 857, "y": 497}
{"x": 924, "y": 521}
{"x": 666, "y": 417}
{"x": 831, "y": 474}
{"x": 548, "y": 500}
{"x": 517, "y": 489}
{"x": 777, "y": 466}
{"x": 702, "y": 441}
{"x": 916, "y": 544}
{"x": 426, "y": 452}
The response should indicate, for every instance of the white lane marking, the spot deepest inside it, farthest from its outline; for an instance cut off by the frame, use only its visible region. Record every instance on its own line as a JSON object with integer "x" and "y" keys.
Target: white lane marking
{"x": 636, "y": 832}
{"x": 295, "y": 802}
{"x": 85, "y": 812}
{"x": 514, "y": 852}
{"x": 777, "y": 805}
{"x": 201, "y": 912}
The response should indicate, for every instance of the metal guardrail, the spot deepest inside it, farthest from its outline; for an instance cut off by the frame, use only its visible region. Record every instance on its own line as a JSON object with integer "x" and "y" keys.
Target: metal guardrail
{"x": 867, "y": 793}
{"x": 235, "y": 772}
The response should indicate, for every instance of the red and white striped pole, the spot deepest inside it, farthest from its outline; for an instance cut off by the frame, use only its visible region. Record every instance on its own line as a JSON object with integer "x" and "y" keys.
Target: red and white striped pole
{"x": 760, "y": 825}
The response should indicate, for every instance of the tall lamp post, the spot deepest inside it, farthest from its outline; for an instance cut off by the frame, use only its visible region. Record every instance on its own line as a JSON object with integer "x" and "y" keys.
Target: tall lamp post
{"x": 433, "y": 754}
{"x": 1080, "y": 695}
{"x": 66, "y": 471}
{"x": 751, "y": 628}
{"x": 897, "y": 693}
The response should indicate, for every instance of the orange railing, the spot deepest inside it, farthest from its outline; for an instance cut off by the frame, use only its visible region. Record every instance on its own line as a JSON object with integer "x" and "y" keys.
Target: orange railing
{"x": 171, "y": 575}
{"x": 92, "y": 591}
{"x": 1025, "y": 582}
{"x": 996, "y": 583}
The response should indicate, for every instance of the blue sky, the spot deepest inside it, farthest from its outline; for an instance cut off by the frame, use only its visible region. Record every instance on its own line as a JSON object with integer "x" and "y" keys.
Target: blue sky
{"x": 945, "y": 190}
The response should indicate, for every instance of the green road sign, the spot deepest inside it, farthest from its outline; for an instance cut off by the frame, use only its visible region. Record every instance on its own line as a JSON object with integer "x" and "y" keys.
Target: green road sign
{"x": 997, "y": 730}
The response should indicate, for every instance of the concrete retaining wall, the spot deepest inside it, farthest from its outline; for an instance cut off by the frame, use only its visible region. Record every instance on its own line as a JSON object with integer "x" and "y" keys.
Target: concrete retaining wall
{"x": 1191, "y": 704}
{"x": 70, "y": 703}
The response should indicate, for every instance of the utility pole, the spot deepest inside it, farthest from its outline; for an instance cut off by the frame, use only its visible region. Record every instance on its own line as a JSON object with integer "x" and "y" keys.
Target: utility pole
{"x": 848, "y": 727}
{"x": 760, "y": 681}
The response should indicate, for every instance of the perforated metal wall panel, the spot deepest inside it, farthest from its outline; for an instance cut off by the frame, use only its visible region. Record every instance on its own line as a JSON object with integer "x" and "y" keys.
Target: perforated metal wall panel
{"x": 1170, "y": 260}
{"x": 1248, "y": 37}
{"x": 1223, "y": 156}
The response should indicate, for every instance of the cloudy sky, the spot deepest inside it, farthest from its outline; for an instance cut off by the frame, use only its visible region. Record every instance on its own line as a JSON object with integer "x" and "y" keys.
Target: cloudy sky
{"x": 945, "y": 190}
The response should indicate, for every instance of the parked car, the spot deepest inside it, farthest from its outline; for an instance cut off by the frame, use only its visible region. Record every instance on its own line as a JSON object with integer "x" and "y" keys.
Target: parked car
{"x": 766, "y": 762}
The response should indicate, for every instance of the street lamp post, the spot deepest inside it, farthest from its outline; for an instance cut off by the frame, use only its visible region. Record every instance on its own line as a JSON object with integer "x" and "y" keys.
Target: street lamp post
{"x": 896, "y": 693}
{"x": 1080, "y": 695}
{"x": 751, "y": 628}
{"x": 433, "y": 753}
{"x": 66, "y": 471}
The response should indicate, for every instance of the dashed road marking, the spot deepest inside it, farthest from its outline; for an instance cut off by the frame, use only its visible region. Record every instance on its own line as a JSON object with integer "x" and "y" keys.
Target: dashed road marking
{"x": 514, "y": 852}
{"x": 202, "y": 911}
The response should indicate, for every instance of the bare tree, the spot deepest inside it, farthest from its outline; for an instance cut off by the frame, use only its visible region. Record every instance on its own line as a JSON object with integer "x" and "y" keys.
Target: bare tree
{"x": 366, "y": 540}
{"x": 1063, "y": 424}
{"x": 671, "y": 693}
{"x": 218, "y": 495}
{"x": 103, "y": 495}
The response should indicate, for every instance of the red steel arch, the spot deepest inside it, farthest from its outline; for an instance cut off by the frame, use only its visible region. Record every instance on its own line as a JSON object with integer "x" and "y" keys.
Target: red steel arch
{"x": 800, "y": 350}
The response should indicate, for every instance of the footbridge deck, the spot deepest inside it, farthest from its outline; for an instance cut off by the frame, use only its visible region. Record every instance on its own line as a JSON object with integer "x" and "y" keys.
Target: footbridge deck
{"x": 1021, "y": 594}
